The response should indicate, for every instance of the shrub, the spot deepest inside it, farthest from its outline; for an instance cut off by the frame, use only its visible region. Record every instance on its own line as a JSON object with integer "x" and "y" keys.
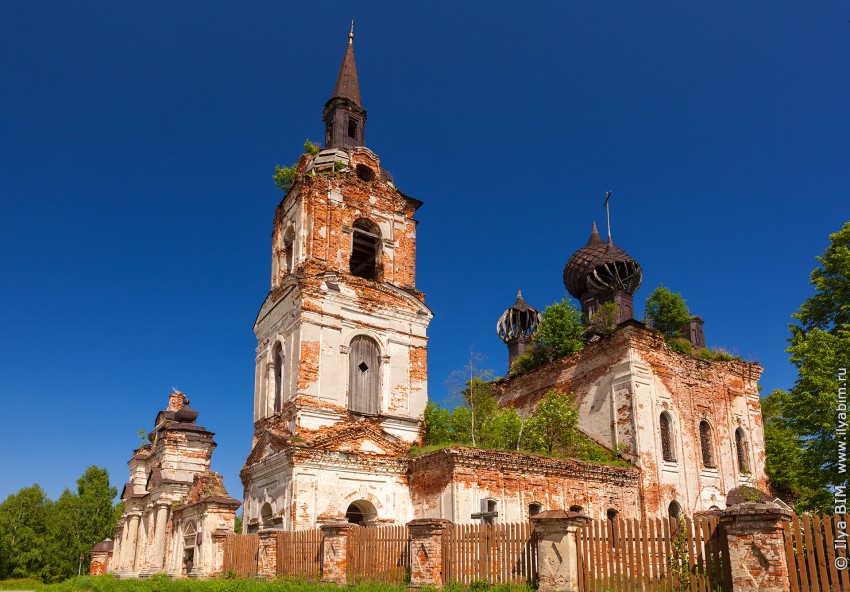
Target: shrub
{"x": 604, "y": 320}
{"x": 560, "y": 331}
{"x": 667, "y": 312}
{"x": 681, "y": 345}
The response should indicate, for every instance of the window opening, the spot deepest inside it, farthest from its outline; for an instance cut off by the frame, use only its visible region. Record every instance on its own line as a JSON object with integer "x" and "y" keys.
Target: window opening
{"x": 674, "y": 510}
{"x": 667, "y": 438}
{"x": 706, "y": 444}
{"x": 352, "y": 128}
{"x": 534, "y": 508}
{"x": 278, "y": 377}
{"x": 743, "y": 450}
{"x": 365, "y": 249}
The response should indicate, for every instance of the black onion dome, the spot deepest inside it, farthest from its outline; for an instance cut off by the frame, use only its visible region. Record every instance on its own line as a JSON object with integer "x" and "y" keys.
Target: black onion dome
{"x": 599, "y": 267}
{"x": 186, "y": 414}
{"x": 518, "y": 321}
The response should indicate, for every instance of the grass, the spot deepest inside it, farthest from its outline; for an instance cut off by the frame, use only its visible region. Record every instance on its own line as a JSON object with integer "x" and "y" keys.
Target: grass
{"x": 20, "y": 584}
{"x": 164, "y": 584}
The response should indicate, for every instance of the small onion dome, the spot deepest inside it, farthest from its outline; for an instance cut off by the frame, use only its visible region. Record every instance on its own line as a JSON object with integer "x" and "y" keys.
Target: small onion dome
{"x": 104, "y": 546}
{"x": 186, "y": 414}
{"x": 600, "y": 267}
{"x": 520, "y": 320}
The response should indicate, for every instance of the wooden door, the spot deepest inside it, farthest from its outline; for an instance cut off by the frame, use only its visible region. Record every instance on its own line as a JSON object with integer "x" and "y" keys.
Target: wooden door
{"x": 364, "y": 376}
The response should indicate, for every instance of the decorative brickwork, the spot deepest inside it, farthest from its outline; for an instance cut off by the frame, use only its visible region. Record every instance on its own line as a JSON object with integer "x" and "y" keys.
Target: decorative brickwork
{"x": 756, "y": 547}
{"x": 267, "y": 554}
{"x": 335, "y": 552}
{"x": 426, "y": 552}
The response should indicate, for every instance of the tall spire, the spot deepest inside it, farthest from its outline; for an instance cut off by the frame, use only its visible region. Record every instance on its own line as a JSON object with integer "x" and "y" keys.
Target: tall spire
{"x": 344, "y": 115}
{"x": 347, "y": 86}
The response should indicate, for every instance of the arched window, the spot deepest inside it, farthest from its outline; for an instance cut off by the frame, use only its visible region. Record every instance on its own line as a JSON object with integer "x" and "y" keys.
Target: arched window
{"x": 706, "y": 444}
{"x": 289, "y": 249}
{"x": 576, "y": 509}
{"x": 365, "y": 249}
{"x": 611, "y": 514}
{"x": 190, "y": 539}
{"x": 278, "y": 376}
{"x": 364, "y": 376}
{"x": 674, "y": 510}
{"x": 534, "y": 508}
{"x": 667, "y": 448}
{"x": 743, "y": 450}
{"x": 266, "y": 515}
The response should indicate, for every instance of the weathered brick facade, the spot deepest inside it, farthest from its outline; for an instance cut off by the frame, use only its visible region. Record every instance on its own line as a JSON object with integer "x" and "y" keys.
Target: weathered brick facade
{"x": 175, "y": 509}
{"x": 624, "y": 382}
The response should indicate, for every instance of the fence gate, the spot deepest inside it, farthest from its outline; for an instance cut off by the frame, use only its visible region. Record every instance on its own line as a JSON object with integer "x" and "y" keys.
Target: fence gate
{"x": 652, "y": 554}
{"x": 299, "y": 554}
{"x": 379, "y": 554}
{"x": 240, "y": 554}
{"x": 494, "y": 553}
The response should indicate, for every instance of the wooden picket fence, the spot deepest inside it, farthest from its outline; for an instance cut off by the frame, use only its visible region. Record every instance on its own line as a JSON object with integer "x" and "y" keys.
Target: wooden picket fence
{"x": 652, "y": 555}
{"x": 299, "y": 554}
{"x": 379, "y": 554}
{"x": 497, "y": 554}
{"x": 240, "y": 555}
{"x": 812, "y": 554}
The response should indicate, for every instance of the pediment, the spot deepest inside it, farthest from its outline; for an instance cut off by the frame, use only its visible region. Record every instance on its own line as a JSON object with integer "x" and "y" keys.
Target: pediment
{"x": 360, "y": 438}
{"x": 269, "y": 443}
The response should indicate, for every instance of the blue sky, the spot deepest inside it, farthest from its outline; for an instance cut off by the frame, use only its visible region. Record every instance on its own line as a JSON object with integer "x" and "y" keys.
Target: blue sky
{"x": 137, "y": 143}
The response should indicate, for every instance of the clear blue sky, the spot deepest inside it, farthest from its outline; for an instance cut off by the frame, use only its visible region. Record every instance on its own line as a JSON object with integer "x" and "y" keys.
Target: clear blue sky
{"x": 137, "y": 143}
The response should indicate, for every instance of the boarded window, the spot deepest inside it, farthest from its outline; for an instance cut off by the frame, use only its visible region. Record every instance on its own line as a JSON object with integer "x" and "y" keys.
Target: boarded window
{"x": 706, "y": 444}
{"x": 743, "y": 450}
{"x": 278, "y": 376}
{"x": 667, "y": 449}
{"x": 365, "y": 249}
{"x": 364, "y": 376}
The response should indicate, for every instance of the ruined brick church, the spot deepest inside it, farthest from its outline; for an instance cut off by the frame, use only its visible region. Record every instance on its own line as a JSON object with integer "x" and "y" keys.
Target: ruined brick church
{"x": 340, "y": 383}
{"x": 341, "y": 387}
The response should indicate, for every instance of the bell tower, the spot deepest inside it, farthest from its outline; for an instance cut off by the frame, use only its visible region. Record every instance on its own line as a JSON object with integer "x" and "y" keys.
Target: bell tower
{"x": 344, "y": 116}
{"x": 341, "y": 336}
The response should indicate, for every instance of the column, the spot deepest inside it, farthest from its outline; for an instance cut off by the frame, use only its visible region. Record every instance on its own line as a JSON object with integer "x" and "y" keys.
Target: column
{"x": 159, "y": 536}
{"x": 129, "y": 545}
{"x": 756, "y": 546}
{"x": 557, "y": 549}
{"x": 426, "y": 552}
{"x": 334, "y": 551}
{"x": 267, "y": 554}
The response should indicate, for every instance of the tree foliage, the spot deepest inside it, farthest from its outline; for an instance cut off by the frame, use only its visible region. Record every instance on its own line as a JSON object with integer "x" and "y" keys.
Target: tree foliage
{"x": 802, "y": 438}
{"x": 667, "y": 312}
{"x": 560, "y": 331}
{"x": 43, "y": 539}
{"x": 554, "y": 424}
{"x": 604, "y": 320}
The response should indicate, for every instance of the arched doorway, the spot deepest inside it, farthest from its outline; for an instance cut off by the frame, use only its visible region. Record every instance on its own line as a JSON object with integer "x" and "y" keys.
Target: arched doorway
{"x": 361, "y": 512}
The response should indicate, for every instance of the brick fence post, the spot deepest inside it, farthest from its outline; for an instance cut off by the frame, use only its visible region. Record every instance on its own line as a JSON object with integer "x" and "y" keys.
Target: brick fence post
{"x": 756, "y": 547}
{"x": 267, "y": 554}
{"x": 426, "y": 551}
{"x": 556, "y": 532}
{"x": 335, "y": 551}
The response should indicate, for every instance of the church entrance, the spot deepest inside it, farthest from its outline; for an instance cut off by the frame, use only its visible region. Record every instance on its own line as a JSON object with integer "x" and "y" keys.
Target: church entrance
{"x": 361, "y": 512}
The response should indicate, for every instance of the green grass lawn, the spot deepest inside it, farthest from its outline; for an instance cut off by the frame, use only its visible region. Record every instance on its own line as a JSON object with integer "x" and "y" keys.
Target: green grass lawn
{"x": 20, "y": 584}
{"x": 164, "y": 584}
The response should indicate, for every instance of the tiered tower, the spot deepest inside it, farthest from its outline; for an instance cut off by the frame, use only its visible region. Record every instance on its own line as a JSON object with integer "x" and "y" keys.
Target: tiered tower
{"x": 341, "y": 353}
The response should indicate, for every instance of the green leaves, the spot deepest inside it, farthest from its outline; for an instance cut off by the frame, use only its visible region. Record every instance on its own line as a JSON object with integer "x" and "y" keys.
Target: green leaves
{"x": 560, "y": 331}
{"x": 667, "y": 312}
{"x": 553, "y": 425}
{"x": 284, "y": 177}
{"x": 800, "y": 425}
{"x": 44, "y": 539}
